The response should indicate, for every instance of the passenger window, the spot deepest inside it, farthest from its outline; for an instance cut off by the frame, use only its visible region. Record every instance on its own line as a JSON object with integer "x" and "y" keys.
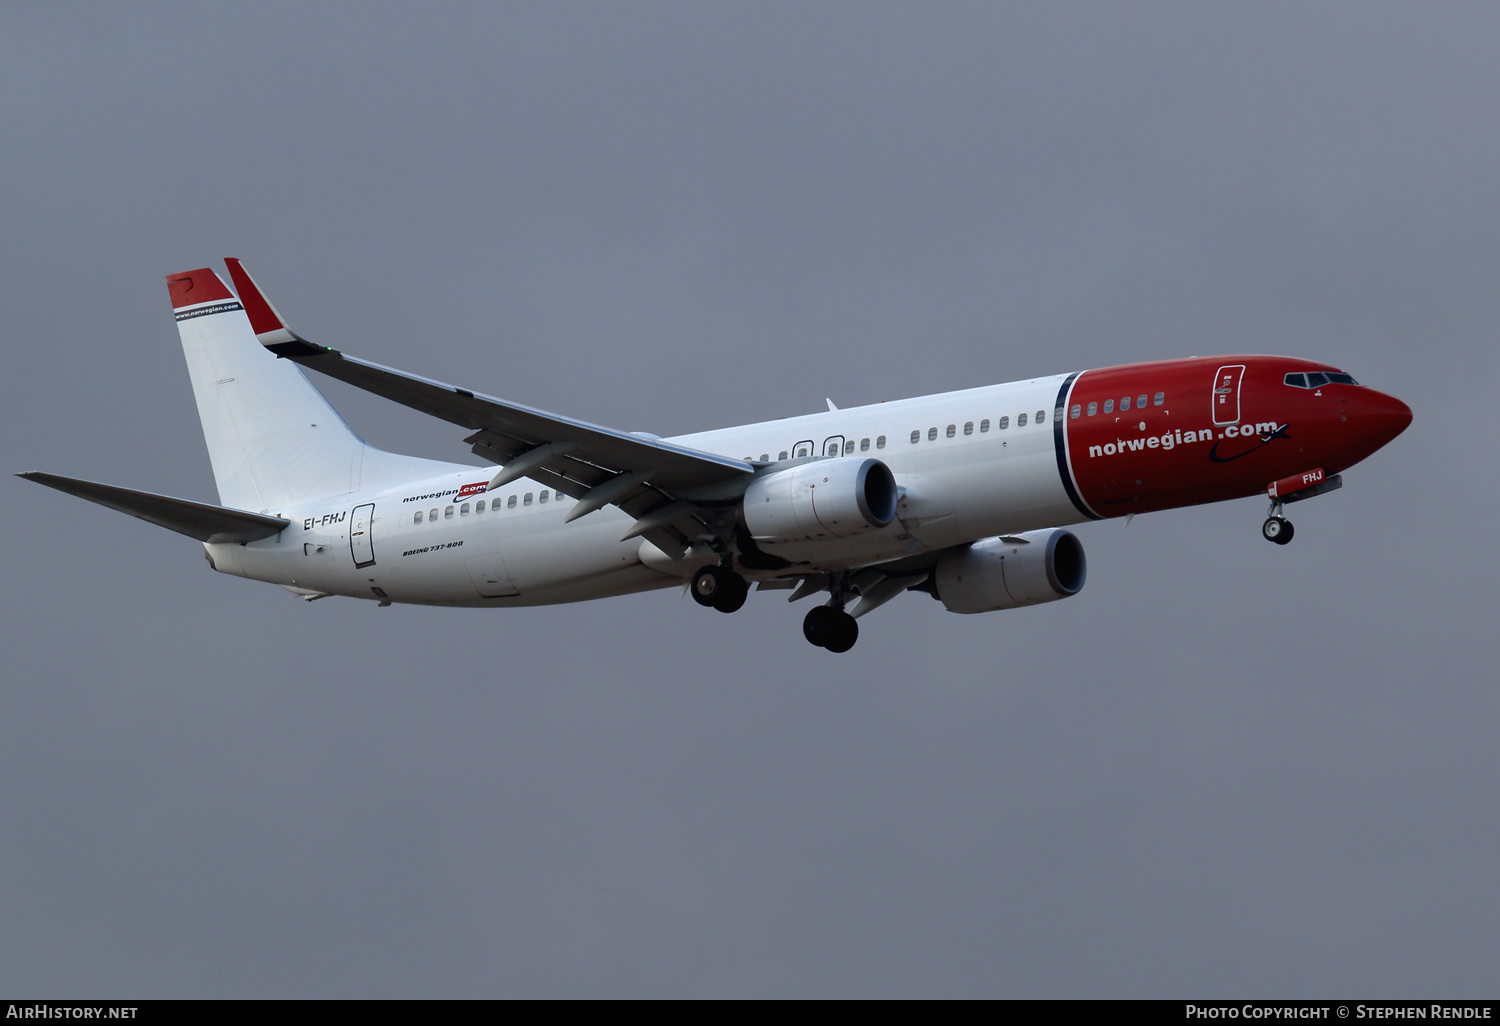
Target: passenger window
{"x": 916, "y": 436}
{"x": 1109, "y": 406}
{"x": 880, "y": 442}
{"x": 849, "y": 447}
{"x": 448, "y": 513}
{"x": 510, "y": 503}
{"x": 801, "y": 451}
{"x": 526, "y": 501}
{"x": 558, "y": 496}
{"x": 463, "y": 510}
{"x": 1140, "y": 402}
{"x": 1125, "y": 404}
{"x": 782, "y": 456}
{"x": 984, "y": 425}
{"x": 1021, "y": 420}
{"x": 432, "y": 514}
{"x": 1003, "y": 423}
{"x": 968, "y": 427}
{"x": 1075, "y": 411}
{"x": 416, "y": 517}
{"x": 1093, "y": 409}
{"x": 1041, "y": 416}
{"x": 479, "y": 506}
{"x": 952, "y": 430}
{"x": 544, "y": 496}
{"x": 932, "y": 434}
{"x": 765, "y": 457}
{"x": 1158, "y": 399}
{"x": 864, "y": 445}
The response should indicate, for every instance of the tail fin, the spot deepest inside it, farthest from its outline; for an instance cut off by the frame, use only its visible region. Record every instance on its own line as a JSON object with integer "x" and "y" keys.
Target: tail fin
{"x": 272, "y": 437}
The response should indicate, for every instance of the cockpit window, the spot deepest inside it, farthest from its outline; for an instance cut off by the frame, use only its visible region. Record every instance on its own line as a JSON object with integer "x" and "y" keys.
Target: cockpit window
{"x": 1316, "y": 379}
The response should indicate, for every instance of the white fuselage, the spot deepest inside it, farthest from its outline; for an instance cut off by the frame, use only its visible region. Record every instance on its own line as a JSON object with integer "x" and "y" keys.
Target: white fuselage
{"x": 965, "y": 477}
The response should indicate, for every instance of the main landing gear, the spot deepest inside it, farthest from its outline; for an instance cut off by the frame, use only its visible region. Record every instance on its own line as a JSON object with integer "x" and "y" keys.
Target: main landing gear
{"x": 830, "y": 628}
{"x": 1277, "y": 528}
{"x": 721, "y": 588}
{"x": 826, "y": 626}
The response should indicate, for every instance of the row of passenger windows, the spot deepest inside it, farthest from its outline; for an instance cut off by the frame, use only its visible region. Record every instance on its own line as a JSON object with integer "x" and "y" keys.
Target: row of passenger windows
{"x": 1109, "y": 405}
{"x": 463, "y": 508}
{"x": 804, "y": 449}
{"x": 984, "y": 425}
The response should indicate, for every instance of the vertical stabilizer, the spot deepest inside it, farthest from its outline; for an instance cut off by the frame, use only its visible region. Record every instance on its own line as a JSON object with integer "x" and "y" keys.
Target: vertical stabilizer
{"x": 272, "y": 437}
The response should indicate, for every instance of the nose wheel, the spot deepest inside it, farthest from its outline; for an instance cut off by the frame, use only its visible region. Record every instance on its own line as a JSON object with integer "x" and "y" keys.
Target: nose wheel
{"x": 1277, "y": 529}
{"x": 720, "y": 588}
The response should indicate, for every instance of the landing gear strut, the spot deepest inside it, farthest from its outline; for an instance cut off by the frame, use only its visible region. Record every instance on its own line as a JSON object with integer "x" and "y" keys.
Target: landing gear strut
{"x": 721, "y": 588}
{"x": 1277, "y": 528}
{"x": 830, "y": 628}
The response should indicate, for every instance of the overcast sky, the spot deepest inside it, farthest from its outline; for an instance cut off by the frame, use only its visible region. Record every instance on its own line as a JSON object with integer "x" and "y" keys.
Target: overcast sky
{"x": 1224, "y": 769}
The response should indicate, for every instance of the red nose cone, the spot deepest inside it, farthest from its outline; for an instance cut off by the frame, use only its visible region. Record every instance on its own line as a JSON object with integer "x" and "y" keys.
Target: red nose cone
{"x": 1381, "y": 417}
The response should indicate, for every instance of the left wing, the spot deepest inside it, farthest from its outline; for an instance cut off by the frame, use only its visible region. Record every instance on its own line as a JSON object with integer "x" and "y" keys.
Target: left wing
{"x": 201, "y": 520}
{"x": 671, "y": 490}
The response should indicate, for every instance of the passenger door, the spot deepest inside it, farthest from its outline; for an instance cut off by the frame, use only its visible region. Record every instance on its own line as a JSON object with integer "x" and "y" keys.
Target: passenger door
{"x": 361, "y": 544}
{"x": 1226, "y": 394}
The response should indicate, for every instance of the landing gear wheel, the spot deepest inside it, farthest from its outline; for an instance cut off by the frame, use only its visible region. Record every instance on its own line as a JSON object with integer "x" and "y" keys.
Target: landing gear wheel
{"x": 731, "y": 593}
{"x": 830, "y": 628}
{"x": 817, "y": 625}
{"x": 707, "y": 583}
{"x": 845, "y": 633}
{"x": 1277, "y": 529}
{"x": 722, "y": 589}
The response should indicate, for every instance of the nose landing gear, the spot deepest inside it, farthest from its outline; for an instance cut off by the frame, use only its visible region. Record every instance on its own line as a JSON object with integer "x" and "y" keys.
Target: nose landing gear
{"x": 1277, "y": 528}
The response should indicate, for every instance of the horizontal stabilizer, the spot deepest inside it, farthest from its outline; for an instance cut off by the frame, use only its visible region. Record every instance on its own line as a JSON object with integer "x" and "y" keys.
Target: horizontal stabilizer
{"x": 198, "y": 520}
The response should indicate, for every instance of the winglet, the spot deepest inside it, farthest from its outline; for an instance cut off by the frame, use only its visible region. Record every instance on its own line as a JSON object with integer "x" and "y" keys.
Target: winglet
{"x": 190, "y": 288}
{"x": 265, "y": 320}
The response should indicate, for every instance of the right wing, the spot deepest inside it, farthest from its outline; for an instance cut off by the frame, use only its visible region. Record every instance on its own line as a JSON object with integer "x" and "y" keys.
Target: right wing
{"x": 671, "y": 490}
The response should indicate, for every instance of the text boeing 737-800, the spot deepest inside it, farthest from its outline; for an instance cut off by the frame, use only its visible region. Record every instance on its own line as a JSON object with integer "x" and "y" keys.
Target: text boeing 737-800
{"x": 961, "y": 495}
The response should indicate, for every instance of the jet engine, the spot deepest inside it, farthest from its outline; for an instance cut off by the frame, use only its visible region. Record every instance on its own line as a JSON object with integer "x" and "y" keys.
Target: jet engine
{"x": 821, "y": 501}
{"x": 1011, "y": 571}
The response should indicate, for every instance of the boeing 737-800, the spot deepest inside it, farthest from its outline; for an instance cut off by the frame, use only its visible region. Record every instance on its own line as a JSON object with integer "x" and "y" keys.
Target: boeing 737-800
{"x": 962, "y": 495}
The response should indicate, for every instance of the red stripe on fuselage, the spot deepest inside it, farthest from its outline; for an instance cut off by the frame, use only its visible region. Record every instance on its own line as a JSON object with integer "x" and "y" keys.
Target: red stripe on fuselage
{"x": 1159, "y": 456}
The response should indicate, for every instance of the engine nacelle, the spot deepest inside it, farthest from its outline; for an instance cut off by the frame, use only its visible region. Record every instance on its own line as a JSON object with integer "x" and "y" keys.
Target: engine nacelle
{"x": 996, "y": 573}
{"x": 820, "y": 501}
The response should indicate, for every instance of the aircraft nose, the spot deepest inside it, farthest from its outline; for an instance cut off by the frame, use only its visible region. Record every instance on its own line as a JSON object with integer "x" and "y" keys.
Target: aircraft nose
{"x": 1382, "y": 416}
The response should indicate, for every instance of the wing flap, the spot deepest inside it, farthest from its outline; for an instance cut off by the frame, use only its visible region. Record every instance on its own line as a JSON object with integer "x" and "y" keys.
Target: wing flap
{"x": 200, "y": 520}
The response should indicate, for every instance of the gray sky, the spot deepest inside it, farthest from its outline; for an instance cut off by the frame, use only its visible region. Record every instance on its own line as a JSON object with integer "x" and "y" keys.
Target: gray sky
{"x": 1224, "y": 769}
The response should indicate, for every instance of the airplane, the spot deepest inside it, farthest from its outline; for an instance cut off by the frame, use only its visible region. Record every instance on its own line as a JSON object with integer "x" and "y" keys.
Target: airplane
{"x": 962, "y": 495}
